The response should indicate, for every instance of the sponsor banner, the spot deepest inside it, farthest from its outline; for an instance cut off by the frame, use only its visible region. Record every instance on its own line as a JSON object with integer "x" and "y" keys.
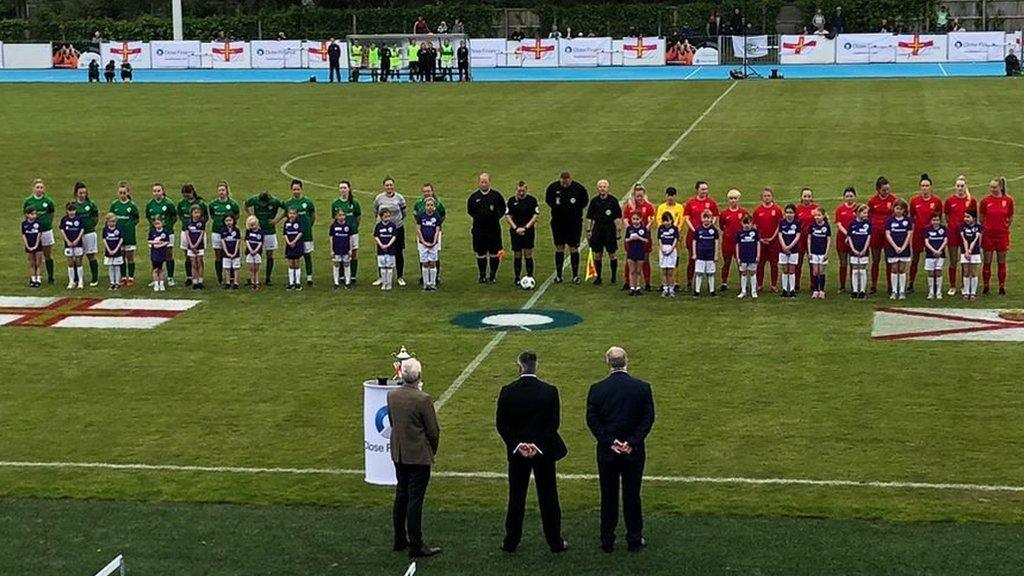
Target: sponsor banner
{"x": 537, "y": 53}
{"x": 948, "y": 324}
{"x": 706, "y": 56}
{"x": 172, "y": 54}
{"x": 28, "y": 55}
{"x": 1013, "y": 42}
{"x": 276, "y": 53}
{"x": 1, "y": 54}
{"x": 751, "y": 46}
{"x": 228, "y": 54}
{"x": 642, "y": 51}
{"x": 487, "y": 52}
{"x": 135, "y": 53}
{"x": 806, "y": 49}
{"x": 68, "y": 55}
{"x": 921, "y": 48}
{"x": 314, "y": 54}
{"x": 585, "y": 52}
{"x": 865, "y": 48}
{"x": 379, "y": 467}
{"x": 977, "y": 46}
{"x": 113, "y": 313}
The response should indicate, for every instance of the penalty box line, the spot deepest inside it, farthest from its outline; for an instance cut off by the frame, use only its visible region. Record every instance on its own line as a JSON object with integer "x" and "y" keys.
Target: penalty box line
{"x": 726, "y": 480}
{"x": 493, "y": 343}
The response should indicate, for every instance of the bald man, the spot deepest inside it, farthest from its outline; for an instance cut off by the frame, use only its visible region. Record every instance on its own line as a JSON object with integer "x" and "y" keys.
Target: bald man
{"x": 487, "y": 209}
{"x": 604, "y": 230}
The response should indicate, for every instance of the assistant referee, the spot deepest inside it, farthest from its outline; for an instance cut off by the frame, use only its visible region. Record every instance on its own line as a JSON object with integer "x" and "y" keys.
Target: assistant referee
{"x": 523, "y": 211}
{"x": 487, "y": 209}
{"x": 604, "y": 228}
{"x": 567, "y": 200}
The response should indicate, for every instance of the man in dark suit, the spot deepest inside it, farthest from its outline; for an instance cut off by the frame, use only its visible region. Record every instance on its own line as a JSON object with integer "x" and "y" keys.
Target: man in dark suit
{"x": 334, "y": 60}
{"x": 620, "y": 414}
{"x": 414, "y": 440}
{"x": 528, "y": 416}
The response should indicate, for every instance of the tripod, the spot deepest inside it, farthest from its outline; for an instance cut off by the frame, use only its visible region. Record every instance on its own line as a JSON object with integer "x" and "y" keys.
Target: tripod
{"x": 746, "y": 69}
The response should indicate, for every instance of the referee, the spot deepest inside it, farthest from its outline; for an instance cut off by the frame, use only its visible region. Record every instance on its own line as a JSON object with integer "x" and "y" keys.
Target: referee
{"x": 523, "y": 211}
{"x": 487, "y": 208}
{"x": 567, "y": 200}
{"x": 604, "y": 229}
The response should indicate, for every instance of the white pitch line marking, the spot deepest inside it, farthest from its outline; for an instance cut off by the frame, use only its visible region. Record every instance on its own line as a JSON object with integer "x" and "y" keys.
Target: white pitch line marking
{"x": 731, "y": 480}
{"x": 475, "y": 363}
{"x": 943, "y": 69}
{"x": 694, "y": 73}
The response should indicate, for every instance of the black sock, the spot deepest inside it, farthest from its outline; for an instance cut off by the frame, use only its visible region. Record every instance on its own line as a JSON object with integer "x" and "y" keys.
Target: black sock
{"x": 270, "y": 268}
{"x": 574, "y": 261}
{"x": 494, "y": 266}
{"x": 559, "y": 263}
{"x": 188, "y": 268}
{"x": 518, "y": 266}
{"x": 354, "y": 267}
{"x": 599, "y": 264}
{"x": 481, "y": 266}
{"x": 615, "y": 270}
{"x": 219, "y": 266}
{"x": 529, "y": 266}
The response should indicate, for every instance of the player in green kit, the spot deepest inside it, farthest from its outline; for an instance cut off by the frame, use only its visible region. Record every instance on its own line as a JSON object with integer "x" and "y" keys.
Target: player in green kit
{"x": 189, "y": 198}
{"x": 127, "y": 213}
{"x": 269, "y": 211}
{"x": 44, "y": 211}
{"x": 163, "y": 207}
{"x": 353, "y": 214}
{"x": 303, "y": 206}
{"x": 219, "y": 208}
{"x": 427, "y": 191}
{"x": 90, "y": 215}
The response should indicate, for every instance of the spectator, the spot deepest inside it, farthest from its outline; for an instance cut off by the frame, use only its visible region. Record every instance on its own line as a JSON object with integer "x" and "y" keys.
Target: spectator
{"x": 898, "y": 27}
{"x": 555, "y": 34}
{"x": 458, "y": 27}
{"x": 1012, "y": 64}
{"x": 884, "y": 28}
{"x": 420, "y": 27}
{"x": 714, "y": 25}
{"x": 736, "y": 22}
{"x": 281, "y": 36}
{"x": 818, "y": 21}
{"x": 516, "y": 36}
{"x": 942, "y": 19}
{"x": 442, "y": 28}
{"x": 591, "y": 34}
{"x": 839, "y": 21}
{"x": 956, "y": 26}
{"x": 97, "y": 38}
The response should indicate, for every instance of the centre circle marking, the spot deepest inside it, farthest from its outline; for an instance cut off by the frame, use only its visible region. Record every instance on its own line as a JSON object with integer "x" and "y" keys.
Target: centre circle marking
{"x": 517, "y": 319}
{"x": 514, "y": 320}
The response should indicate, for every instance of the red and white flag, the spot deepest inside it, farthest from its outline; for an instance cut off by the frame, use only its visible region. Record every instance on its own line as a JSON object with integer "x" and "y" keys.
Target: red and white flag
{"x": 229, "y": 54}
{"x": 123, "y": 313}
{"x": 641, "y": 51}
{"x": 537, "y": 52}
{"x": 921, "y": 48}
{"x": 135, "y": 53}
{"x": 948, "y": 324}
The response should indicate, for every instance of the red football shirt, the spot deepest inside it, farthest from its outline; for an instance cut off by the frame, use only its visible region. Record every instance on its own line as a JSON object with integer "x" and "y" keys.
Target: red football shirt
{"x": 921, "y": 212}
{"x": 879, "y": 210}
{"x": 646, "y": 211}
{"x": 766, "y": 220}
{"x": 996, "y": 212}
{"x": 844, "y": 215}
{"x": 731, "y": 222}
{"x": 955, "y": 209}
{"x": 694, "y": 207}
{"x": 805, "y": 216}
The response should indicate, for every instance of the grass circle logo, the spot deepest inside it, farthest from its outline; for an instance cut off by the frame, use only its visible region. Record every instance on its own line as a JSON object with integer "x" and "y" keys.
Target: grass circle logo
{"x": 382, "y": 422}
{"x": 516, "y": 319}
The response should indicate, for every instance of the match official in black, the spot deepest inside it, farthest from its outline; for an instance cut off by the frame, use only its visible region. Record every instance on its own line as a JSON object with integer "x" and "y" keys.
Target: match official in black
{"x": 462, "y": 59}
{"x": 385, "y": 62}
{"x": 568, "y": 201}
{"x": 487, "y": 209}
{"x": 528, "y": 416}
{"x": 604, "y": 229}
{"x": 522, "y": 214}
{"x": 620, "y": 415}
{"x": 334, "y": 60}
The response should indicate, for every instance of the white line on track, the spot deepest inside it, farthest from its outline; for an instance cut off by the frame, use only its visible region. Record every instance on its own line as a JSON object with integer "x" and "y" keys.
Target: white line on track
{"x": 694, "y": 73}
{"x": 891, "y": 485}
{"x": 943, "y": 69}
{"x": 489, "y": 348}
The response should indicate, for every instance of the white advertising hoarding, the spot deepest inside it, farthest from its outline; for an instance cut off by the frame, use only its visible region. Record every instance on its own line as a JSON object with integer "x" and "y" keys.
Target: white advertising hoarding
{"x": 487, "y": 52}
{"x": 176, "y": 54}
{"x": 276, "y": 53}
{"x": 136, "y": 53}
{"x": 865, "y": 48}
{"x": 977, "y": 46}
{"x": 921, "y": 48}
{"x": 806, "y": 49}
{"x": 585, "y": 52}
{"x": 641, "y": 51}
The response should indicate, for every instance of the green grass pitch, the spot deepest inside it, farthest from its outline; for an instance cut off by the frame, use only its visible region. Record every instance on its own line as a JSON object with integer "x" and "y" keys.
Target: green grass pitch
{"x": 772, "y": 389}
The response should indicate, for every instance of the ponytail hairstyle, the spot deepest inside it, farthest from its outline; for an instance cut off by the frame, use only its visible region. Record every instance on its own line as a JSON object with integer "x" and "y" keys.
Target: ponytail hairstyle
{"x": 926, "y": 178}
{"x": 128, "y": 189}
{"x": 78, "y": 186}
{"x": 1002, "y": 184}
{"x": 963, "y": 178}
{"x": 189, "y": 189}
{"x": 881, "y": 183}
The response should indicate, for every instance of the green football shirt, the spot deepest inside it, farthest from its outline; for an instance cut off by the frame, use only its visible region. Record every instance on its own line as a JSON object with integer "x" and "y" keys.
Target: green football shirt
{"x": 219, "y": 210}
{"x": 421, "y": 206}
{"x": 90, "y": 215}
{"x": 165, "y": 209}
{"x": 185, "y": 209}
{"x": 353, "y": 212}
{"x": 306, "y": 211}
{"x": 127, "y": 217}
{"x": 265, "y": 213}
{"x": 44, "y": 210}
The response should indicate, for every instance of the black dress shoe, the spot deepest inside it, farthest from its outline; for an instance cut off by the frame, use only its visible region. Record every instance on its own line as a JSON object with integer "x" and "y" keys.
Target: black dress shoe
{"x": 508, "y": 549}
{"x": 608, "y": 548}
{"x": 400, "y": 546}
{"x": 424, "y": 551}
{"x": 636, "y": 546}
{"x": 562, "y": 547}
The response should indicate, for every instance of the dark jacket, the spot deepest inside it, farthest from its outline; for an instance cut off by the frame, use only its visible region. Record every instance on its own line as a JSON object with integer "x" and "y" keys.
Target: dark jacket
{"x": 620, "y": 407}
{"x": 529, "y": 411}
{"x": 414, "y": 431}
{"x": 334, "y": 53}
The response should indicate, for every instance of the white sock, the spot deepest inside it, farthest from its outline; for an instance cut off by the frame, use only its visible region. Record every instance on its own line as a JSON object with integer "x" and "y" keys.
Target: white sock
{"x": 752, "y": 282}
{"x": 938, "y": 284}
{"x": 711, "y": 283}
{"x": 903, "y": 283}
{"x": 743, "y": 284}
{"x": 432, "y": 272}
{"x": 337, "y": 274}
{"x": 893, "y": 279}
{"x": 696, "y": 283}
{"x": 931, "y": 286}
{"x": 81, "y": 275}
{"x": 348, "y": 273}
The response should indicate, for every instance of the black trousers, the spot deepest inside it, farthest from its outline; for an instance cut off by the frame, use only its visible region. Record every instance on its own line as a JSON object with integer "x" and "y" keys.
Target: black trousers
{"x": 463, "y": 72}
{"x": 400, "y": 252}
{"x": 543, "y": 470}
{"x": 335, "y": 72}
{"x": 629, "y": 475}
{"x": 408, "y": 509}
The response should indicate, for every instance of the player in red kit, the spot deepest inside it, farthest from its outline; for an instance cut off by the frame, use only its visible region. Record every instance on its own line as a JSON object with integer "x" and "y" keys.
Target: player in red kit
{"x": 923, "y": 206}
{"x": 956, "y": 206}
{"x": 767, "y": 216}
{"x": 730, "y": 221}
{"x": 805, "y": 215}
{"x": 692, "y": 211}
{"x": 880, "y": 207}
{"x": 845, "y": 214}
{"x": 639, "y": 204}
{"x": 996, "y": 214}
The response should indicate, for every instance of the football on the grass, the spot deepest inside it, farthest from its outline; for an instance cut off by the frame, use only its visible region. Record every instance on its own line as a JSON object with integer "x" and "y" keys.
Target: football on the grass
{"x": 527, "y": 283}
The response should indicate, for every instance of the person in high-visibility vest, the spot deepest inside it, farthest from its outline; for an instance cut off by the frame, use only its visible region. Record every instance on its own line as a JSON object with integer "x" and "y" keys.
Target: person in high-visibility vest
{"x": 374, "y": 60}
{"x": 447, "y": 57}
{"x": 355, "y": 55}
{"x": 412, "y": 54}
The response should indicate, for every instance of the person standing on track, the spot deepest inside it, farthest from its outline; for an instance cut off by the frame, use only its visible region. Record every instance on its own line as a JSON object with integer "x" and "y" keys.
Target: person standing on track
{"x": 567, "y": 200}
{"x": 880, "y": 209}
{"x": 923, "y": 206}
{"x": 731, "y": 222}
{"x": 675, "y": 209}
{"x": 692, "y": 210}
{"x": 604, "y": 230}
{"x": 846, "y": 213}
{"x": 960, "y": 203}
{"x": 45, "y": 209}
{"x": 353, "y": 215}
{"x": 639, "y": 204}
{"x": 995, "y": 212}
{"x": 487, "y": 209}
{"x": 522, "y": 213}
{"x": 395, "y": 203}
{"x": 462, "y": 59}
{"x": 334, "y": 61}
